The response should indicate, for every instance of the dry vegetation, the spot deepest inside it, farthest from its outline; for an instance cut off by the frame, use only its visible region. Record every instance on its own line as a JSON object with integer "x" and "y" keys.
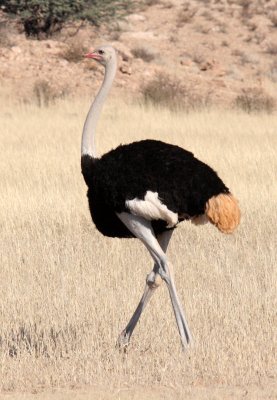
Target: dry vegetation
{"x": 218, "y": 46}
{"x": 168, "y": 91}
{"x": 66, "y": 291}
{"x": 144, "y": 53}
{"x": 255, "y": 100}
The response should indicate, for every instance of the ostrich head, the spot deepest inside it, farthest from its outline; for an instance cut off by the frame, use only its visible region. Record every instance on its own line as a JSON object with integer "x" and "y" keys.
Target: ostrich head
{"x": 103, "y": 54}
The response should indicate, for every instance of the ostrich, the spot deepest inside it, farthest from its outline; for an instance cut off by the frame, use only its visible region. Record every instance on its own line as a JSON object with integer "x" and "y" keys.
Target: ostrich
{"x": 143, "y": 190}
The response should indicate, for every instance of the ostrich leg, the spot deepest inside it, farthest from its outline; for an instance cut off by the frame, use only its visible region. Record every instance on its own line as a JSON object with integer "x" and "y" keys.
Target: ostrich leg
{"x": 153, "y": 280}
{"x": 143, "y": 230}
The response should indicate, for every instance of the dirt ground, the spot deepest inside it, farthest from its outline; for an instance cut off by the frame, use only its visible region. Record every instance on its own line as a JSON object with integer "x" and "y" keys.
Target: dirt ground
{"x": 214, "y": 46}
{"x": 189, "y": 393}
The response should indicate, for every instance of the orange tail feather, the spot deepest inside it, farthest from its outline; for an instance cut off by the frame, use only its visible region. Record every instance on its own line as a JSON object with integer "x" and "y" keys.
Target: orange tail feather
{"x": 223, "y": 211}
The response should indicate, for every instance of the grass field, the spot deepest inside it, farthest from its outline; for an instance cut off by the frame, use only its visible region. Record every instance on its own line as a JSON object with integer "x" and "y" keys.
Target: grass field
{"x": 66, "y": 291}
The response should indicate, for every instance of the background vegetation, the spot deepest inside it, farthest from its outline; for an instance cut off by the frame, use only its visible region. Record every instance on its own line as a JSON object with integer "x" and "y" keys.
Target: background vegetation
{"x": 44, "y": 17}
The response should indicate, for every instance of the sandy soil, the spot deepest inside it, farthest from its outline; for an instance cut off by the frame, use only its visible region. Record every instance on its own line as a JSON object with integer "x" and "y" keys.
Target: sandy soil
{"x": 189, "y": 393}
{"x": 213, "y": 46}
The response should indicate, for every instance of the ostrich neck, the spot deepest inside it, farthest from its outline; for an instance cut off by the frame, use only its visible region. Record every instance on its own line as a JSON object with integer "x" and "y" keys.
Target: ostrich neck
{"x": 88, "y": 137}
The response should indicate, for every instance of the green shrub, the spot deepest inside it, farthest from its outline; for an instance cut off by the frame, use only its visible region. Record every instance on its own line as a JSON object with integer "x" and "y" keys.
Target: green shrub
{"x": 44, "y": 17}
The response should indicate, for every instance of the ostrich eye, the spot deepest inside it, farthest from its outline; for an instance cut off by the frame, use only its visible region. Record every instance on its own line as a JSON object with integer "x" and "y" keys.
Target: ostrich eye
{"x": 101, "y": 52}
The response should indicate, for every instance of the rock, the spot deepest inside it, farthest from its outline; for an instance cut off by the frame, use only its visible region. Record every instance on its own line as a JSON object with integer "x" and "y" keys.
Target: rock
{"x": 205, "y": 66}
{"x": 219, "y": 83}
{"x": 51, "y": 44}
{"x": 186, "y": 62}
{"x": 16, "y": 49}
{"x": 136, "y": 18}
{"x": 125, "y": 69}
{"x": 63, "y": 62}
{"x": 148, "y": 35}
{"x": 123, "y": 26}
{"x": 123, "y": 51}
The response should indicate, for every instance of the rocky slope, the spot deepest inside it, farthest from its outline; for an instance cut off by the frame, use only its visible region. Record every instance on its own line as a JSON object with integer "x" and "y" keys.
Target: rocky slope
{"x": 217, "y": 48}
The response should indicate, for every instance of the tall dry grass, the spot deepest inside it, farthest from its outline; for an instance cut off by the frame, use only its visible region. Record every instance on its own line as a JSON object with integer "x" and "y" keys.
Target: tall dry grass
{"x": 66, "y": 291}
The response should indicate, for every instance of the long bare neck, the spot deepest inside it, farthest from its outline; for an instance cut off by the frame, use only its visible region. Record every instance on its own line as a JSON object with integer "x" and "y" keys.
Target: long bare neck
{"x": 88, "y": 136}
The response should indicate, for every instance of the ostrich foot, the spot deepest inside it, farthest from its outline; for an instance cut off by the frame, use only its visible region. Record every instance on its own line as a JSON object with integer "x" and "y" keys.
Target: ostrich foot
{"x": 123, "y": 340}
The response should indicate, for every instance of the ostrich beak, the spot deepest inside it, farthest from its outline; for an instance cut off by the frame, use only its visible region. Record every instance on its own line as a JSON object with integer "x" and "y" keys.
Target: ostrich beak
{"x": 93, "y": 55}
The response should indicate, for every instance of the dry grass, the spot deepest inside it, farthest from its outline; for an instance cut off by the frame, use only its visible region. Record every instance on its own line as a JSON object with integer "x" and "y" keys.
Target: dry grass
{"x": 144, "y": 52}
{"x": 66, "y": 291}
{"x": 273, "y": 18}
{"x": 272, "y": 48}
{"x": 44, "y": 94}
{"x": 168, "y": 91}
{"x": 74, "y": 52}
{"x": 254, "y": 100}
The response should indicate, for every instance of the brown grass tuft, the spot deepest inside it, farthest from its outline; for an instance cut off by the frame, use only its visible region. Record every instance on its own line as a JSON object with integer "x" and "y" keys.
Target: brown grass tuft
{"x": 255, "y": 99}
{"x": 168, "y": 91}
{"x": 273, "y": 18}
{"x": 144, "y": 52}
{"x": 74, "y": 52}
{"x": 44, "y": 94}
{"x": 271, "y": 48}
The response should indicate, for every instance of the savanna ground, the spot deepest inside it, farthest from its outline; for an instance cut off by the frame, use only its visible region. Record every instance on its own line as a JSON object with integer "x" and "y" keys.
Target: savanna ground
{"x": 67, "y": 292}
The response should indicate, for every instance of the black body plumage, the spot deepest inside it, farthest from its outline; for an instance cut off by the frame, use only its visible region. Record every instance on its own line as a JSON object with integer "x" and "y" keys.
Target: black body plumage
{"x": 183, "y": 183}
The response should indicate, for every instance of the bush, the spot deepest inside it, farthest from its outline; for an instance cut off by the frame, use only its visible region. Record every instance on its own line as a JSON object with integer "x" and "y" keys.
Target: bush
{"x": 44, "y": 94}
{"x": 74, "y": 52}
{"x": 44, "y": 17}
{"x": 272, "y": 72}
{"x": 255, "y": 100}
{"x": 271, "y": 48}
{"x": 143, "y": 52}
{"x": 172, "y": 93}
{"x": 273, "y": 19}
{"x": 5, "y": 40}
